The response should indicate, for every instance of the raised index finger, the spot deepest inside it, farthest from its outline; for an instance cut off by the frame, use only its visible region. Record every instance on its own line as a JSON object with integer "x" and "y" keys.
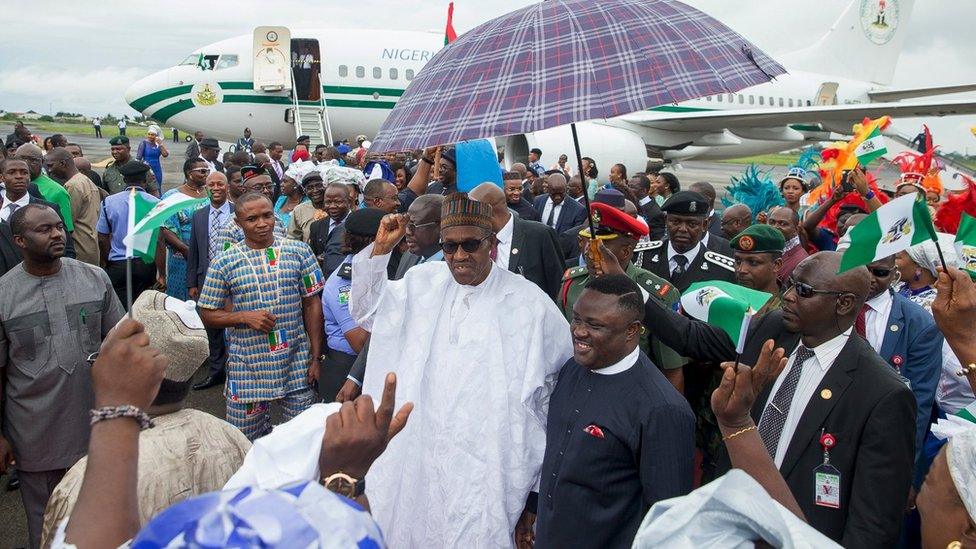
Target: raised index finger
{"x": 384, "y": 413}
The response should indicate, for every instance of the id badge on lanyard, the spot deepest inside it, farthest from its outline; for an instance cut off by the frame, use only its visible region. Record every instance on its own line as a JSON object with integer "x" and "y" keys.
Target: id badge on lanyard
{"x": 826, "y": 477}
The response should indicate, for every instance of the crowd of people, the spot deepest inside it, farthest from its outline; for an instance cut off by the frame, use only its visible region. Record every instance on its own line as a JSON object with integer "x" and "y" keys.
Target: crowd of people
{"x": 539, "y": 382}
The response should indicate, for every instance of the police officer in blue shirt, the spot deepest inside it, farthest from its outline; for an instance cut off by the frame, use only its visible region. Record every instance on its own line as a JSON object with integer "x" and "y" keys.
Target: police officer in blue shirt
{"x": 344, "y": 338}
{"x": 113, "y": 226}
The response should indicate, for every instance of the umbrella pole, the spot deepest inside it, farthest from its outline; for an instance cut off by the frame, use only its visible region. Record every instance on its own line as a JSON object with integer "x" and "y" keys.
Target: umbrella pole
{"x": 583, "y": 181}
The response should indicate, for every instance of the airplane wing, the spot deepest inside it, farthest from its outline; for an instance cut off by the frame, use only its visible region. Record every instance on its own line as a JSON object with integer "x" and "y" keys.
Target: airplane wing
{"x": 831, "y": 117}
{"x": 906, "y": 93}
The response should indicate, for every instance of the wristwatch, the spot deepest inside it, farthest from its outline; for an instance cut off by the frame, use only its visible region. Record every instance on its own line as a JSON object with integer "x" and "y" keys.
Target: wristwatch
{"x": 344, "y": 485}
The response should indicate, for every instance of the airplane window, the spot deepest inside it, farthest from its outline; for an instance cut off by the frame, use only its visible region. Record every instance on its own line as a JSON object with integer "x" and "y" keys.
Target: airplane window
{"x": 731, "y": 98}
{"x": 193, "y": 59}
{"x": 752, "y": 100}
{"x": 772, "y": 102}
{"x": 709, "y": 98}
{"x": 762, "y": 100}
{"x": 408, "y": 74}
{"x": 780, "y": 101}
{"x": 742, "y": 99}
{"x": 226, "y": 61}
{"x": 393, "y": 74}
{"x": 360, "y": 72}
{"x": 791, "y": 102}
{"x": 720, "y": 97}
{"x": 377, "y": 72}
{"x": 808, "y": 102}
{"x": 343, "y": 71}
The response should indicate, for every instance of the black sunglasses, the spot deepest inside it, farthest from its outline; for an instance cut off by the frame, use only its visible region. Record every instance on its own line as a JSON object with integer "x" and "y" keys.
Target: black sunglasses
{"x": 470, "y": 246}
{"x": 805, "y": 290}
{"x": 880, "y": 272}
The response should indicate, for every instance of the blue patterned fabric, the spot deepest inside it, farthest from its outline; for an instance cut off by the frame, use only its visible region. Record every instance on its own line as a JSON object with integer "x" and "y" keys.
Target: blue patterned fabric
{"x": 302, "y": 514}
{"x": 265, "y": 366}
{"x": 180, "y": 224}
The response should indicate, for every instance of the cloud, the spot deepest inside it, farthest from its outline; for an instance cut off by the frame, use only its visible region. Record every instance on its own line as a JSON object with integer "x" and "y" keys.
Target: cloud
{"x": 69, "y": 86}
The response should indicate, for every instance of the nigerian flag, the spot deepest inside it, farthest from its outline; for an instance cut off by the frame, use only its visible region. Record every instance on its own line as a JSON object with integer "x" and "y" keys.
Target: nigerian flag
{"x": 725, "y": 305}
{"x": 894, "y": 227}
{"x": 147, "y": 215}
{"x": 966, "y": 244}
{"x": 871, "y": 148}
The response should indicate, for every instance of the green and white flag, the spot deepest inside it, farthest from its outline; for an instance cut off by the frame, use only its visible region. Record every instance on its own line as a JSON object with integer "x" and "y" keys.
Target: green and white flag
{"x": 966, "y": 244}
{"x": 962, "y": 421}
{"x": 892, "y": 228}
{"x": 871, "y": 148}
{"x": 725, "y": 305}
{"x": 146, "y": 216}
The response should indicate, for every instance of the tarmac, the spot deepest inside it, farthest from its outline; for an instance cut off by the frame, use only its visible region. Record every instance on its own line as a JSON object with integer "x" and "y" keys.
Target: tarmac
{"x": 13, "y": 527}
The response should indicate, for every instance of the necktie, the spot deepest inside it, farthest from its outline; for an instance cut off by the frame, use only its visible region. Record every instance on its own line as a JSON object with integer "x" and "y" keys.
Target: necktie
{"x": 682, "y": 263}
{"x": 11, "y": 208}
{"x": 552, "y": 216}
{"x": 214, "y": 232}
{"x": 860, "y": 323}
{"x": 774, "y": 416}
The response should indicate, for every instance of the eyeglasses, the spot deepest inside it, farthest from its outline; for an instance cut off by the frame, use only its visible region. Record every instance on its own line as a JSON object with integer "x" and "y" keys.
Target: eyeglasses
{"x": 880, "y": 272}
{"x": 805, "y": 290}
{"x": 412, "y": 227}
{"x": 257, "y": 188}
{"x": 469, "y": 246}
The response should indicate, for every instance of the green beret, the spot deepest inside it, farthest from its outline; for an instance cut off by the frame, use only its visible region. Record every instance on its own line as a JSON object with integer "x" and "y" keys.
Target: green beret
{"x": 759, "y": 239}
{"x": 119, "y": 140}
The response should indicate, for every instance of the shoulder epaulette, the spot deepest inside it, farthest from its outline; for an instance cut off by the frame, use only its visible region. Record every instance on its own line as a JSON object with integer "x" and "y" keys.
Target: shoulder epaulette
{"x": 649, "y": 245}
{"x": 345, "y": 271}
{"x": 720, "y": 260}
{"x": 655, "y": 285}
{"x": 574, "y": 272}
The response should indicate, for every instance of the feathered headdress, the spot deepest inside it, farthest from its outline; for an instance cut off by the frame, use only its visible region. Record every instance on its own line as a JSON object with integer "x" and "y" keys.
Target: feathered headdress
{"x": 840, "y": 156}
{"x": 754, "y": 189}
{"x": 950, "y": 212}
{"x": 804, "y": 165}
{"x": 920, "y": 169}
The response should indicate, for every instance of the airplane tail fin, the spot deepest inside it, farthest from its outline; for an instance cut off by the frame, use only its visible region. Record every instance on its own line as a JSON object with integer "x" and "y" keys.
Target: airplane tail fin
{"x": 863, "y": 44}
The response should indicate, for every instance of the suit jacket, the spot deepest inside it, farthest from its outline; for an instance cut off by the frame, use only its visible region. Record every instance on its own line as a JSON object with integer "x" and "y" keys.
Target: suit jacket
{"x": 655, "y": 218}
{"x": 715, "y": 225}
{"x": 571, "y": 214}
{"x": 9, "y": 252}
{"x": 709, "y": 264}
{"x": 327, "y": 246}
{"x": 861, "y": 401}
{"x": 198, "y": 258}
{"x": 69, "y": 242}
{"x": 912, "y": 347}
{"x": 535, "y": 254}
{"x": 718, "y": 243}
{"x": 525, "y": 209}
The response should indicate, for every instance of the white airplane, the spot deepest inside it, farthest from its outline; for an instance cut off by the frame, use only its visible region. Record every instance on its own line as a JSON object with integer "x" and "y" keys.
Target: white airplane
{"x": 247, "y": 81}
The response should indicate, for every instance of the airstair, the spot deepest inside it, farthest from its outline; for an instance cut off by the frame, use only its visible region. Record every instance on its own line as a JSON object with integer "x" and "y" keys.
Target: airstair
{"x": 312, "y": 119}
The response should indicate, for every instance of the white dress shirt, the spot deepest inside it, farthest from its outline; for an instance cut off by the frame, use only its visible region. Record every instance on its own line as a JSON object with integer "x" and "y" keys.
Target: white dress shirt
{"x": 690, "y": 254}
{"x": 505, "y": 243}
{"x": 5, "y": 210}
{"x": 622, "y": 365}
{"x": 876, "y": 319}
{"x": 813, "y": 373}
{"x": 555, "y": 214}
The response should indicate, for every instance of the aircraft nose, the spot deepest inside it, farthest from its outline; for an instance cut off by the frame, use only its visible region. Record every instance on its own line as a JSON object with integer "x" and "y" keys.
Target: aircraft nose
{"x": 139, "y": 94}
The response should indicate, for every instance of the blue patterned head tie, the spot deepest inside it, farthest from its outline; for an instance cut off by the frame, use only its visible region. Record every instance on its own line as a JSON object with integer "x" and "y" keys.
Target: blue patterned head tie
{"x": 302, "y": 514}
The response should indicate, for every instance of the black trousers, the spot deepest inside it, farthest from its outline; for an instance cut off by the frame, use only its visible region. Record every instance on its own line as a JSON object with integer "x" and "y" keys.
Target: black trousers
{"x": 143, "y": 278}
{"x": 217, "y": 361}
{"x": 98, "y": 131}
{"x": 333, "y": 373}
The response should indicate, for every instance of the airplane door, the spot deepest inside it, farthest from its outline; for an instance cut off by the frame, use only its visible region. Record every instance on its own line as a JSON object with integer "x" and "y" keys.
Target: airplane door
{"x": 827, "y": 94}
{"x": 306, "y": 62}
{"x": 272, "y": 55}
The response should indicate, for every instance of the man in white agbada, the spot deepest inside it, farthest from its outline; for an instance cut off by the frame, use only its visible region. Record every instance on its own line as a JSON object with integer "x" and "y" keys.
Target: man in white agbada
{"x": 477, "y": 350}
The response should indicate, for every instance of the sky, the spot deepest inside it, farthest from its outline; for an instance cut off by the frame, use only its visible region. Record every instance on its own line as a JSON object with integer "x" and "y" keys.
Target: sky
{"x": 81, "y": 56}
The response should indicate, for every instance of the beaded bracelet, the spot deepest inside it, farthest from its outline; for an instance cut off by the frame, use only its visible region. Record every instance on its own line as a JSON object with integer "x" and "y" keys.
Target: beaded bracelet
{"x": 113, "y": 412}
{"x": 739, "y": 432}
{"x": 967, "y": 369}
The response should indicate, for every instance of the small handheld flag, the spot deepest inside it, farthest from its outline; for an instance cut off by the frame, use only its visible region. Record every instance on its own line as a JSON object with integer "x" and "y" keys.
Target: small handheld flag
{"x": 966, "y": 244}
{"x": 871, "y": 148}
{"x": 449, "y": 34}
{"x": 892, "y": 228}
{"x": 725, "y": 305}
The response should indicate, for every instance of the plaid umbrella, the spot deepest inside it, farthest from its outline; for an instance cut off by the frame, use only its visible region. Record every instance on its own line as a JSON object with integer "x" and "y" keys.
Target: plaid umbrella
{"x": 565, "y": 61}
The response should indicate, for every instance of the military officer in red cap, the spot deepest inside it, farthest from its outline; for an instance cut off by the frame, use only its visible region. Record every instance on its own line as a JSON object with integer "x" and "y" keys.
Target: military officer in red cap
{"x": 618, "y": 234}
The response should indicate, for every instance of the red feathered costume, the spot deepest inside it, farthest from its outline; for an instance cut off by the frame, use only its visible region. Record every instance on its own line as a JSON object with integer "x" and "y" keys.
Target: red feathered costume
{"x": 950, "y": 212}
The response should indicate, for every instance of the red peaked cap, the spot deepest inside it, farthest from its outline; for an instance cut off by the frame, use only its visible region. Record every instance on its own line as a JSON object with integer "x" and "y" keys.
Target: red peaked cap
{"x": 609, "y": 220}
